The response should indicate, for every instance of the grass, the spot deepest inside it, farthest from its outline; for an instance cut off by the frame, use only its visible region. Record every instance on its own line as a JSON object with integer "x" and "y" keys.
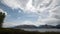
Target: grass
{"x": 18, "y": 31}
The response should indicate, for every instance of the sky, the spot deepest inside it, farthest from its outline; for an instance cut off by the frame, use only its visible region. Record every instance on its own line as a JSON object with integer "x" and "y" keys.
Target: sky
{"x": 30, "y": 12}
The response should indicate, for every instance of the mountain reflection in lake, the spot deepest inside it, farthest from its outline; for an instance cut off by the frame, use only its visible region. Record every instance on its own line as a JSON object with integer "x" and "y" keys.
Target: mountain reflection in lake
{"x": 42, "y": 30}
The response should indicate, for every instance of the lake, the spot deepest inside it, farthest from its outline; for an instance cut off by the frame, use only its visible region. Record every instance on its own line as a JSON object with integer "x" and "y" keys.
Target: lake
{"x": 42, "y": 30}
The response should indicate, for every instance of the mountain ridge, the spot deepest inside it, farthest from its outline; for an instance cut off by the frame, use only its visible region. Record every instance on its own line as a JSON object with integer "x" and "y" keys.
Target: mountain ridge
{"x": 33, "y": 26}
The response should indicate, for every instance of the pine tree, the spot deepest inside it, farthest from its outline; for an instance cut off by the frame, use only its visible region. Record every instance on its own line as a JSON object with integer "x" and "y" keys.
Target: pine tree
{"x": 2, "y": 16}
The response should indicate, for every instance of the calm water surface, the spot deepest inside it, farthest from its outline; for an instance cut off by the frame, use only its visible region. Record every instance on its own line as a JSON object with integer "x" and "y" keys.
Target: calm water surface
{"x": 43, "y": 30}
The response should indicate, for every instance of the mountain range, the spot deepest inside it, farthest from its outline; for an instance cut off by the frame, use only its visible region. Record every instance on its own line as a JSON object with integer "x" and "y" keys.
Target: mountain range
{"x": 33, "y": 26}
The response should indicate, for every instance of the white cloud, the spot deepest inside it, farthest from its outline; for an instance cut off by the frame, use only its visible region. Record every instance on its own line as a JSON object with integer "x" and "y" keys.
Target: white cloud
{"x": 11, "y": 3}
{"x": 27, "y": 5}
{"x": 32, "y": 23}
{"x": 53, "y": 18}
{"x": 11, "y": 24}
{"x": 14, "y": 3}
{"x": 31, "y": 6}
{"x": 8, "y": 24}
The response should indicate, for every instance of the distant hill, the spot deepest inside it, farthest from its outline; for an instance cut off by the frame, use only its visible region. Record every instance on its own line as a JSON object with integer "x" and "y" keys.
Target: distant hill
{"x": 58, "y": 26}
{"x": 46, "y": 26}
{"x": 25, "y": 26}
